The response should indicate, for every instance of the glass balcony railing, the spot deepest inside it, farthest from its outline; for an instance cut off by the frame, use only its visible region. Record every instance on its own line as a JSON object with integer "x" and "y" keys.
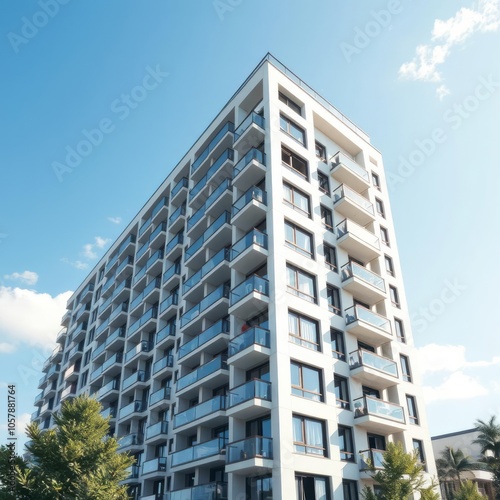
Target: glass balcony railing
{"x": 171, "y": 271}
{"x": 350, "y": 227}
{"x": 160, "y": 395}
{"x": 222, "y": 326}
{"x": 253, "y": 284}
{"x": 178, "y": 213}
{"x": 196, "y": 217}
{"x": 352, "y": 269}
{"x": 109, "y": 412}
{"x": 253, "y": 336}
{"x": 165, "y": 362}
{"x": 228, "y": 127}
{"x": 167, "y": 331}
{"x": 253, "y": 194}
{"x": 38, "y": 397}
{"x": 162, "y": 203}
{"x": 259, "y": 389}
{"x": 218, "y": 363}
{"x": 151, "y": 313}
{"x": 108, "y": 284}
{"x": 155, "y": 465}
{"x": 83, "y": 309}
{"x": 209, "y": 491}
{"x": 199, "y": 411}
{"x": 253, "y": 154}
{"x": 144, "y": 346}
{"x": 133, "y": 471}
{"x": 127, "y": 241}
{"x": 224, "y": 218}
{"x": 182, "y": 183}
{"x": 199, "y": 451}
{"x": 139, "y": 274}
{"x": 102, "y": 327}
{"x": 154, "y": 283}
{"x": 360, "y": 313}
{"x": 138, "y": 376}
{"x": 111, "y": 262}
{"x": 69, "y": 391}
{"x": 158, "y": 255}
{"x": 220, "y": 256}
{"x": 160, "y": 228}
{"x": 142, "y": 249}
{"x": 123, "y": 307}
{"x": 254, "y": 237}
{"x": 130, "y": 440}
{"x": 228, "y": 154}
{"x": 116, "y": 358}
{"x": 145, "y": 225}
{"x": 251, "y": 447}
{"x": 369, "y": 405}
{"x": 171, "y": 300}
{"x": 371, "y": 458}
{"x": 87, "y": 289}
{"x": 369, "y": 359}
{"x": 156, "y": 429}
{"x": 221, "y": 188}
{"x": 178, "y": 239}
{"x": 128, "y": 261}
{"x": 351, "y": 195}
{"x": 253, "y": 117}
{"x": 220, "y": 292}
{"x": 341, "y": 158}
{"x": 76, "y": 349}
{"x": 118, "y": 333}
{"x": 136, "y": 406}
{"x": 114, "y": 385}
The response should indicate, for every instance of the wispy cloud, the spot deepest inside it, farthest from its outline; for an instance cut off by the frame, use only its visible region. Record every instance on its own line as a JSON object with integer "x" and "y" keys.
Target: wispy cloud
{"x": 77, "y": 264}
{"x": 26, "y": 277}
{"x": 115, "y": 220}
{"x": 447, "y": 34}
{"x": 456, "y": 386}
{"x": 89, "y": 248}
{"x": 6, "y": 348}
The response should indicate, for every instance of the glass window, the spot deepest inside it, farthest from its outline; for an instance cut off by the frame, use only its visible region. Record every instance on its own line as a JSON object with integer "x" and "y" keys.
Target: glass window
{"x": 324, "y": 183}
{"x": 303, "y": 331}
{"x": 309, "y": 436}
{"x": 330, "y": 257}
{"x": 393, "y": 291}
{"x": 384, "y": 236}
{"x": 301, "y": 283}
{"x": 291, "y": 104}
{"x": 294, "y": 162}
{"x": 379, "y": 204}
{"x": 405, "y": 368}
{"x": 350, "y": 489}
{"x": 333, "y": 296}
{"x": 389, "y": 266}
{"x": 320, "y": 151}
{"x": 297, "y": 199}
{"x": 346, "y": 444}
{"x": 341, "y": 392}
{"x": 412, "y": 409}
{"x": 259, "y": 488}
{"x": 376, "y": 180}
{"x": 298, "y": 239}
{"x": 306, "y": 382}
{"x": 292, "y": 129}
{"x": 400, "y": 332}
{"x": 338, "y": 345}
{"x": 418, "y": 446}
{"x": 312, "y": 488}
{"x": 326, "y": 218}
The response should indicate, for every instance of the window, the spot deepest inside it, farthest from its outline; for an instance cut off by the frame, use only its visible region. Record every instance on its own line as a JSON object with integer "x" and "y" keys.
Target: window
{"x": 309, "y": 436}
{"x": 341, "y": 392}
{"x": 350, "y": 489}
{"x": 338, "y": 345}
{"x": 297, "y": 199}
{"x": 412, "y": 409}
{"x": 384, "y": 235}
{"x": 87, "y": 355}
{"x": 294, "y": 162}
{"x": 299, "y": 240}
{"x": 333, "y": 296}
{"x": 405, "y": 368}
{"x": 84, "y": 378}
{"x": 312, "y": 488}
{"x": 326, "y": 218}
{"x": 376, "y": 180}
{"x": 94, "y": 315}
{"x": 379, "y": 204}
{"x": 324, "y": 183}
{"x": 418, "y": 446}
{"x": 259, "y": 487}
{"x": 393, "y": 291}
{"x": 389, "y": 266}
{"x": 346, "y": 444}
{"x": 306, "y": 382}
{"x": 303, "y": 331}
{"x": 301, "y": 283}
{"x": 400, "y": 332}
{"x": 291, "y": 104}
{"x": 260, "y": 372}
{"x": 292, "y": 129}
{"x": 330, "y": 257}
{"x": 320, "y": 151}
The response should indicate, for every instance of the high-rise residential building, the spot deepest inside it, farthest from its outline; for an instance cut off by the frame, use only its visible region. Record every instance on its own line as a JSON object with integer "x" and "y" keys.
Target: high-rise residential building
{"x": 248, "y": 333}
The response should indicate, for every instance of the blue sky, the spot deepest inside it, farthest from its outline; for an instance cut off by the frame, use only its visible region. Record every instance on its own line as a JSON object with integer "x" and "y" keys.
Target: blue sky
{"x": 422, "y": 80}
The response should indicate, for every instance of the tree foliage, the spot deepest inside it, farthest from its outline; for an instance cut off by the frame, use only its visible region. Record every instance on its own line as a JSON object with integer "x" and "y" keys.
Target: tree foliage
{"x": 452, "y": 463}
{"x": 77, "y": 460}
{"x": 489, "y": 441}
{"x": 468, "y": 491}
{"x": 401, "y": 476}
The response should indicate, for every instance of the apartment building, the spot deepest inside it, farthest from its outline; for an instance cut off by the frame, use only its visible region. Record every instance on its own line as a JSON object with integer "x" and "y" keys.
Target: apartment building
{"x": 248, "y": 333}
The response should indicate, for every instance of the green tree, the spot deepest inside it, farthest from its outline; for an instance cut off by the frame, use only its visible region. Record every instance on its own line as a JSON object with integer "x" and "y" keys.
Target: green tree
{"x": 489, "y": 441}
{"x": 468, "y": 491}
{"x": 401, "y": 476}
{"x": 9, "y": 463}
{"x": 77, "y": 460}
{"x": 450, "y": 466}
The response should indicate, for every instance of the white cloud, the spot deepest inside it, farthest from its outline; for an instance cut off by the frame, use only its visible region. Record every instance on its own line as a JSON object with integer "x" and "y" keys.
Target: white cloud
{"x": 78, "y": 264}
{"x": 6, "y": 348}
{"x": 28, "y": 277}
{"x": 445, "y": 35}
{"x": 456, "y": 386}
{"x": 442, "y": 91}
{"x": 115, "y": 220}
{"x": 89, "y": 248}
{"x": 29, "y": 316}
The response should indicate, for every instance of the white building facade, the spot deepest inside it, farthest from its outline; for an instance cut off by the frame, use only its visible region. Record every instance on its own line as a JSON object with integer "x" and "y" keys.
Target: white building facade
{"x": 248, "y": 333}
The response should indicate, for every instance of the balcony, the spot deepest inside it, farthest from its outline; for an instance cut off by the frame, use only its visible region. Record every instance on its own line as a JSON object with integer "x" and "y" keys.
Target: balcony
{"x": 136, "y": 406}
{"x": 156, "y": 431}
{"x": 125, "y": 267}
{"x": 71, "y": 374}
{"x": 176, "y": 220}
{"x": 371, "y": 458}
{"x": 373, "y": 370}
{"x": 362, "y": 283}
{"x": 249, "y": 209}
{"x": 62, "y": 333}
{"x": 160, "y": 396}
{"x": 150, "y": 315}
{"x": 133, "y": 472}
{"x": 171, "y": 276}
{"x": 347, "y": 171}
{"x": 127, "y": 244}
{"x": 80, "y": 331}
{"x": 357, "y": 241}
{"x": 143, "y": 347}
{"x": 39, "y": 399}
{"x": 109, "y": 412}
{"x": 216, "y": 369}
{"x": 47, "y": 407}
{"x": 166, "y": 335}
{"x": 119, "y": 314}
{"x": 250, "y": 456}
{"x": 220, "y": 197}
{"x": 250, "y": 297}
{"x": 250, "y": 348}
{"x": 250, "y": 251}
{"x": 83, "y": 312}
{"x": 352, "y": 205}
{"x": 171, "y": 300}
{"x": 154, "y": 284}
{"x": 369, "y": 327}
{"x": 201, "y": 451}
{"x": 250, "y": 133}
{"x": 155, "y": 465}
{"x": 213, "y": 408}
{"x": 75, "y": 352}
{"x": 116, "y": 337}
{"x": 179, "y": 191}
{"x": 165, "y": 362}
{"x": 174, "y": 246}
{"x": 249, "y": 400}
{"x": 160, "y": 209}
{"x": 101, "y": 328}
{"x": 250, "y": 167}
{"x": 66, "y": 393}
{"x": 135, "y": 440}
{"x": 109, "y": 391}
{"x": 86, "y": 293}
{"x": 209, "y": 491}
{"x": 136, "y": 377}
{"x": 378, "y": 416}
